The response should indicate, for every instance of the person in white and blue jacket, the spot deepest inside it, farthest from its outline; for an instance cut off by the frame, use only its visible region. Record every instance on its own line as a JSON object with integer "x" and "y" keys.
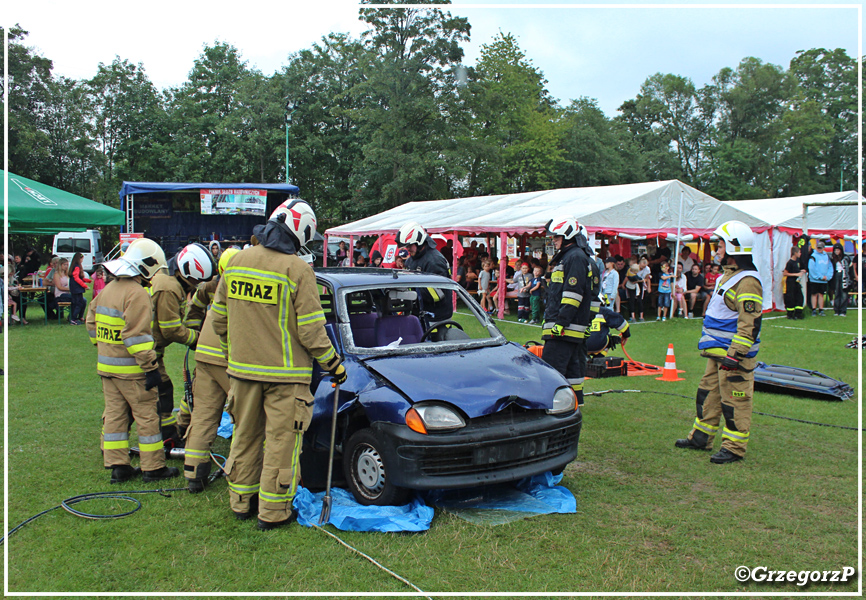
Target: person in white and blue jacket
{"x": 820, "y": 273}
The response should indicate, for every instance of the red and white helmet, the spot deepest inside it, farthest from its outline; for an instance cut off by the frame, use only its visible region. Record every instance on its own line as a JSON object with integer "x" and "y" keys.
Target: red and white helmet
{"x": 411, "y": 233}
{"x": 195, "y": 262}
{"x": 567, "y": 227}
{"x": 738, "y": 237}
{"x": 300, "y": 219}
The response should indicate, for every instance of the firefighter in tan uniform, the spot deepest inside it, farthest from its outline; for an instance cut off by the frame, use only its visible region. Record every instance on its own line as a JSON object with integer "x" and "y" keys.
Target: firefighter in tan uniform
{"x": 118, "y": 322}
{"x": 210, "y": 385}
{"x": 730, "y": 340}
{"x": 270, "y": 321}
{"x": 189, "y": 267}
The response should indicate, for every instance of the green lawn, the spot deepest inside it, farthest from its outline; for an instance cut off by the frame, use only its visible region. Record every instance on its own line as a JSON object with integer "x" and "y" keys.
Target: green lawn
{"x": 650, "y": 517}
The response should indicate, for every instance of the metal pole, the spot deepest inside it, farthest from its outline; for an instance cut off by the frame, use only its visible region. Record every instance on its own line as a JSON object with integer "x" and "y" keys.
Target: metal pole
{"x": 287, "y": 148}
{"x": 679, "y": 233}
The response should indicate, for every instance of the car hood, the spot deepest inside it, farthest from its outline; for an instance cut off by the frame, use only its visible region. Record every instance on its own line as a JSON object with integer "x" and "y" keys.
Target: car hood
{"x": 480, "y": 381}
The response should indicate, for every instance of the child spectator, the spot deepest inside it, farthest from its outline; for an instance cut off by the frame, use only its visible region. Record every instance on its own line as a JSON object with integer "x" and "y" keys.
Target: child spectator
{"x": 793, "y": 290}
{"x": 609, "y": 282}
{"x": 536, "y": 295}
{"x": 680, "y": 291}
{"x": 78, "y": 281}
{"x": 98, "y": 281}
{"x": 488, "y": 304}
{"x": 665, "y": 278}
{"x": 523, "y": 281}
{"x": 12, "y": 295}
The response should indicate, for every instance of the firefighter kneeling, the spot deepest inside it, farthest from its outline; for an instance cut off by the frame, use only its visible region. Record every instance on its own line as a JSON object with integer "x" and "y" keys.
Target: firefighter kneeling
{"x": 730, "y": 341}
{"x": 118, "y": 322}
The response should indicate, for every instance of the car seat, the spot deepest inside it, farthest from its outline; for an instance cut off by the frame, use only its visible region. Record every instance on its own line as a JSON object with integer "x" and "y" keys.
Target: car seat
{"x": 392, "y": 327}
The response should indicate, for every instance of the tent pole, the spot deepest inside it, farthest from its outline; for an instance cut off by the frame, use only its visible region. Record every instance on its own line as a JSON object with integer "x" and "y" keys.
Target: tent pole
{"x": 351, "y": 250}
{"x": 454, "y": 241}
{"x": 503, "y": 261}
{"x": 325, "y": 252}
{"x": 679, "y": 234}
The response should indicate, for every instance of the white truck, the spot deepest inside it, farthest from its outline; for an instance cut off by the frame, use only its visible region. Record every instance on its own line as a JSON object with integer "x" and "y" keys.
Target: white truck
{"x": 89, "y": 243}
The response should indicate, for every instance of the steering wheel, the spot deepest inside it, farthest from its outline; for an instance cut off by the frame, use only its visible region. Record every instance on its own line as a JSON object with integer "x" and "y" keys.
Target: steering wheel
{"x": 436, "y": 326}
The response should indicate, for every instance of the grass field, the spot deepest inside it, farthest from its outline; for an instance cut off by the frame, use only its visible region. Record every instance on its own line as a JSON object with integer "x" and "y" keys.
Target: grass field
{"x": 650, "y": 518}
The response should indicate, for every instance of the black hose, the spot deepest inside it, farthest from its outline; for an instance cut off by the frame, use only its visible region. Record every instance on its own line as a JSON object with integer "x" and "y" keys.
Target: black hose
{"x": 69, "y": 502}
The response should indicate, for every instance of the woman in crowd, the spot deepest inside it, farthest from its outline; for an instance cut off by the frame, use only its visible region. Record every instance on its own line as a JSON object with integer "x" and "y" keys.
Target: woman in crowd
{"x": 839, "y": 283}
{"x": 78, "y": 281}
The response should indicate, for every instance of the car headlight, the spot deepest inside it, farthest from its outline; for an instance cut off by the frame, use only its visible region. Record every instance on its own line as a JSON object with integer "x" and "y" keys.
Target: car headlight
{"x": 433, "y": 417}
{"x": 563, "y": 401}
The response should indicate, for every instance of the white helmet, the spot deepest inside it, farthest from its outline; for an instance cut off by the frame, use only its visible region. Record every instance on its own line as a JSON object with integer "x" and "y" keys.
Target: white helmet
{"x": 195, "y": 262}
{"x": 738, "y": 238}
{"x": 411, "y": 233}
{"x": 567, "y": 227}
{"x": 299, "y": 218}
{"x": 143, "y": 257}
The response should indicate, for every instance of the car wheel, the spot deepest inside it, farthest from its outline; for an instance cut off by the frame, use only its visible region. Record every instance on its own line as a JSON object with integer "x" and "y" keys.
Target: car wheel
{"x": 367, "y": 473}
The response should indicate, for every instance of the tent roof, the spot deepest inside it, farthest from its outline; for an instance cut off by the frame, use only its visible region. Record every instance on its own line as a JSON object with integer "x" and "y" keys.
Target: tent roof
{"x": 41, "y": 209}
{"x": 636, "y": 208}
{"x": 141, "y": 187}
{"x": 787, "y": 213}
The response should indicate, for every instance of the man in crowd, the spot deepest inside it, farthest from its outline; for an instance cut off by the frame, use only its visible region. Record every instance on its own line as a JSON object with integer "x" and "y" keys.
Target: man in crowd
{"x": 695, "y": 288}
{"x": 424, "y": 257}
{"x": 568, "y": 314}
{"x": 820, "y": 273}
{"x": 730, "y": 341}
{"x": 118, "y": 322}
{"x": 271, "y": 326}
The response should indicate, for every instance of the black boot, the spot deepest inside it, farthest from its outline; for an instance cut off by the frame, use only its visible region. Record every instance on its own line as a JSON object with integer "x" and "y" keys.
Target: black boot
{"x": 121, "y": 473}
{"x": 724, "y": 456}
{"x": 690, "y": 444}
{"x": 197, "y": 483}
{"x": 254, "y": 509}
{"x": 268, "y": 525}
{"x": 159, "y": 474}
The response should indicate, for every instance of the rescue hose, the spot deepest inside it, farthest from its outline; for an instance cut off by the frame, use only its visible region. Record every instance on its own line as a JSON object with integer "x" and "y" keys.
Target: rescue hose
{"x": 585, "y": 393}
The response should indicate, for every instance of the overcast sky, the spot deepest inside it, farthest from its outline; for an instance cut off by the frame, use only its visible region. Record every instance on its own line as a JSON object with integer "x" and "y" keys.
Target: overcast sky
{"x": 600, "y": 51}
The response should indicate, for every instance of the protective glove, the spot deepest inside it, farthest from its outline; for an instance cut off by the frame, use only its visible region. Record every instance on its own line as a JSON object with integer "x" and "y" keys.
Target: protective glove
{"x": 338, "y": 375}
{"x": 557, "y": 329}
{"x": 152, "y": 379}
{"x": 626, "y": 334}
{"x": 730, "y": 363}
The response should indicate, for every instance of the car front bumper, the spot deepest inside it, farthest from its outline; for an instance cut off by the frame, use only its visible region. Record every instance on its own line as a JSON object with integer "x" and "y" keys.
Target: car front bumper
{"x": 493, "y": 449}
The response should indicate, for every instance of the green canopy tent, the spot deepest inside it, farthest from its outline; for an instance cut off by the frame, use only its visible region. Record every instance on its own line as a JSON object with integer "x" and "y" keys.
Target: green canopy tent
{"x": 40, "y": 209}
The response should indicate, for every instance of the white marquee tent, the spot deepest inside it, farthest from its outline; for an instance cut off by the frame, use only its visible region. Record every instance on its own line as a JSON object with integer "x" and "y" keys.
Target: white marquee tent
{"x": 642, "y": 209}
{"x": 833, "y": 214}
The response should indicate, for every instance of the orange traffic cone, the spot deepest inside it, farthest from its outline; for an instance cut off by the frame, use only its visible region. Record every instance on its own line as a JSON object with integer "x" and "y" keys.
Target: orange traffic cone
{"x": 670, "y": 371}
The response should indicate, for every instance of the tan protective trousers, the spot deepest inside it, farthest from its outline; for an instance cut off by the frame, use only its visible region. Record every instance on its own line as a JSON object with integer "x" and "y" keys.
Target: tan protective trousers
{"x": 210, "y": 390}
{"x": 168, "y": 419}
{"x": 729, "y": 394}
{"x": 270, "y": 420}
{"x": 127, "y": 399}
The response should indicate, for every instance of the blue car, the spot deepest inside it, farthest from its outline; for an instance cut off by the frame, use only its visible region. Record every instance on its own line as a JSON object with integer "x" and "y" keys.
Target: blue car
{"x": 429, "y": 405}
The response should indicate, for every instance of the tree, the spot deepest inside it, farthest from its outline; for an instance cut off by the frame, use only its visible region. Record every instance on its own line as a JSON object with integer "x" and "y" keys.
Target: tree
{"x": 405, "y": 121}
{"x": 596, "y": 150}
{"x": 26, "y": 98}
{"x": 514, "y": 123}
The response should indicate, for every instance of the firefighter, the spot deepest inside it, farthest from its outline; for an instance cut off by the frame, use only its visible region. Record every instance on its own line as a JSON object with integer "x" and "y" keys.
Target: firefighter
{"x": 606, "y": 331}
{"x": 730, "y": 341}
{"x": 210, "y": 384}
{"x": 424, "y": 257}
{"x": 271, "y": 326}
{"x": 169, "y": 288}
{"x": 118, "y": 322}
{"x": 568, "y": 314}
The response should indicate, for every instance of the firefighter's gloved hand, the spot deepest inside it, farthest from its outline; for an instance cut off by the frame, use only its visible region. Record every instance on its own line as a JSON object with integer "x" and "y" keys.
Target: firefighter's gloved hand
{"x": 557, "y": 329}
{"x": 338, "y": 375}
{"x": 152, "y": 379}
{"x": 626, "y": 334}
{"x": 730, "y": 363}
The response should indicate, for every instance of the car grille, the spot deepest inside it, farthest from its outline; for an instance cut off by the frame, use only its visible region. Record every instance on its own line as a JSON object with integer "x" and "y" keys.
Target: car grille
{"x": 495, "y": 456}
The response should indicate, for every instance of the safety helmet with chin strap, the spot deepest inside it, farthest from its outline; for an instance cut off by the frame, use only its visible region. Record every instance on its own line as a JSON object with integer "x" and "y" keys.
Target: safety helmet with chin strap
{"x": 143, "y": 257}
{"x": 738, "y": 237}
{"x": 567, "y": 227}
{"x": 298, "y": 216}
{"x": 196, "y": 263}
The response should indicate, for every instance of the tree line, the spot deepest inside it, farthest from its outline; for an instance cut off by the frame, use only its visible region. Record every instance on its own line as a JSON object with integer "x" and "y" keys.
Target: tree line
{"x": 395, "y": 116}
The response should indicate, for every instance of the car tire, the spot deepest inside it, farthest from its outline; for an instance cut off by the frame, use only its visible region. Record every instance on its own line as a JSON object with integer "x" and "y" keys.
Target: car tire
{"x": 366, "y": 472}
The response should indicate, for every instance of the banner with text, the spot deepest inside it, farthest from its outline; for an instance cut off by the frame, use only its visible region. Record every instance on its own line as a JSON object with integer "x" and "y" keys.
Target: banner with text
{"x": 234, "y": 202}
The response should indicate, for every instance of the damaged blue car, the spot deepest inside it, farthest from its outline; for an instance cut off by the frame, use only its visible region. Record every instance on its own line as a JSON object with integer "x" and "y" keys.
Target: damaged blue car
{"x": 429, "y": 405}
